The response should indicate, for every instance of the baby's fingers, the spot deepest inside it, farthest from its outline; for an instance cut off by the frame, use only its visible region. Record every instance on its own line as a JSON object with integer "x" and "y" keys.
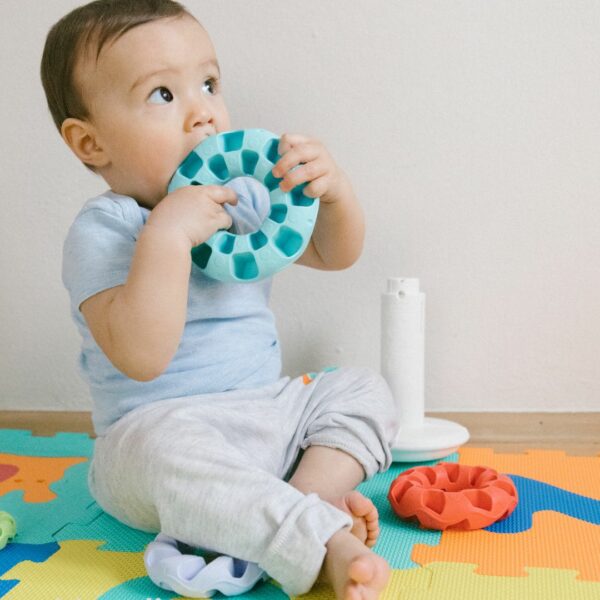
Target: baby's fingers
{"x": 221, "y": 194}
{"x": 294, "y": 157}
{"x": 289, "y": 140}
{"x": 310, "y": 171}
{"x": 224, "y": 219}
{"x": 317, "y": 187}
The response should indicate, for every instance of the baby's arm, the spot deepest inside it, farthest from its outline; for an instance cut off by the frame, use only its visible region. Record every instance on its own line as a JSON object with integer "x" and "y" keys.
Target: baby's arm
{"x": 138, "y": 325}
{"x": 337, "y": 239}
{"x": 339, "y": 232}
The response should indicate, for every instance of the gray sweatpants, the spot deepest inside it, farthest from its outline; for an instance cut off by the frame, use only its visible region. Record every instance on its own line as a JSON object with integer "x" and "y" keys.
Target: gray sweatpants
{"x": 210, "y": 470}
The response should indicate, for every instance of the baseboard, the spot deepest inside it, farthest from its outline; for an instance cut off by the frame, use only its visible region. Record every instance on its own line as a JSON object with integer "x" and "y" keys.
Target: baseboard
{"x": 577, "y": 432}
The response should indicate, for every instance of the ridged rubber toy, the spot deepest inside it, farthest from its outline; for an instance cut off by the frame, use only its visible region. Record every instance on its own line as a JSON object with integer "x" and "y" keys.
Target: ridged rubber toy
{"x": 284, "y": 234}
{"x": 449, "y": 495}
{"x": 190, "y": 576}
{"x": 8, "y": 528}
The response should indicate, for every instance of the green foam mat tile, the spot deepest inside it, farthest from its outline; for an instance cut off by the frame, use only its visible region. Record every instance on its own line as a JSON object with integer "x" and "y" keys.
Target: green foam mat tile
{"x": 119, "y": 537}
{"x": 38, "y": 522}
{"x": 20, "y": 441}
{"x": 398, "y": 537}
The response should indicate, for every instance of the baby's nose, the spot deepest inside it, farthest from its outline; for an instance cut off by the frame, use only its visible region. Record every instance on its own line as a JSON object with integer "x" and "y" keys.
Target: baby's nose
{"x": 198, "y": 114}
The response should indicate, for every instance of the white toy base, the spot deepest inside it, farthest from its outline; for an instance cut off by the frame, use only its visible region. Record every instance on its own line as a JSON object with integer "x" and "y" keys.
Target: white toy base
{"x": 189, "y": 575}
{"x": 435, "y": 438}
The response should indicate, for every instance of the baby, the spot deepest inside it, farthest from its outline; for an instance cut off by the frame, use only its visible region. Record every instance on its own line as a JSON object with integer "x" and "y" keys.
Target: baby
{"x": 198, "y": 434}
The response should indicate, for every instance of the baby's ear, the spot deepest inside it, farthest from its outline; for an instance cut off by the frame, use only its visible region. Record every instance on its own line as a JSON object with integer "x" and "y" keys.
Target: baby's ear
{"x": 80, "y": 136}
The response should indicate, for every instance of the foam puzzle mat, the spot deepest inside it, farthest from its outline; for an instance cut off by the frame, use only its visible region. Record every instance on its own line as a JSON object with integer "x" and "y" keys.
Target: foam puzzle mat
{"x": 67, "y": 548}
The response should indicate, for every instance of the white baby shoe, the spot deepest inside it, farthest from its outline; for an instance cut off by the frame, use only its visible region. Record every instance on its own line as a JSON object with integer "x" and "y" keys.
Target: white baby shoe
{"x": 190, "y": 576}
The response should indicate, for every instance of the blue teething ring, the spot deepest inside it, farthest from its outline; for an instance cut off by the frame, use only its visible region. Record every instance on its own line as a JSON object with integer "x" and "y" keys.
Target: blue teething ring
{"x": 283, "y": 236}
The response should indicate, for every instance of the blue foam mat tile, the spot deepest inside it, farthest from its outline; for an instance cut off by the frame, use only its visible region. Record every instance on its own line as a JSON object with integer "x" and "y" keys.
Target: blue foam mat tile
{"x": 7, "y": 586}
{"x": 14, "y": 553}
{"x": 536, "y": 495}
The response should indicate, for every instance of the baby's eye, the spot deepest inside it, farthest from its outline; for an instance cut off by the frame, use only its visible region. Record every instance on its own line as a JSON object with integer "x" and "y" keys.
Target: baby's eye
{"x": 210, "y": 86}
{"x": 161, "y": 95}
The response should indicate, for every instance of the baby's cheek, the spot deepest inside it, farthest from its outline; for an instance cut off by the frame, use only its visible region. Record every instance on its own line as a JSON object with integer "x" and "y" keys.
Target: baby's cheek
{"x": 159, "y": 165}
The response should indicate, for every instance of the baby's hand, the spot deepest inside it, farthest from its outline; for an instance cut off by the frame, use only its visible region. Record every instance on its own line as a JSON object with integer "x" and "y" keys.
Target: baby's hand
{"x": 316, "y": 167}
{"x": 193, "y": 212}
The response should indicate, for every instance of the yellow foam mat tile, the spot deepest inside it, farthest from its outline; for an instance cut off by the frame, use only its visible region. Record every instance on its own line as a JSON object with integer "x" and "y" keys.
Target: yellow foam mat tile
{"x": 401, "y": 581}
{"x": 77, "y": 570}
{"x": 320, "y": 591}
{"x": 459, "y": 581}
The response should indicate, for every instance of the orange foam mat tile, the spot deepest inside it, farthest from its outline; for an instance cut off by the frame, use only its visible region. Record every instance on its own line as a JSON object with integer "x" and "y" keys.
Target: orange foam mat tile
{"x": 555, "y": 541}
{"x": 577, "y": 474}
{"x": 35, "y": 474}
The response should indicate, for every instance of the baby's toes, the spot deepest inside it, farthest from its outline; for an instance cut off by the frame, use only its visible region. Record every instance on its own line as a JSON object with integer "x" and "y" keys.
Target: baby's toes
{"x": 372, "y": 536}
{"x": 369, "y": 575}
{"x": 363, "y": 569}
{"x": 372, "y": 518}
{"x": 361, "y": 506}
{"x": 354, "y": 592}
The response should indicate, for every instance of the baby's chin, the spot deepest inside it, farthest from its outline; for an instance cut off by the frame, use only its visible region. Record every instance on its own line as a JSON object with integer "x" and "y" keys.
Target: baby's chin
{"x": 148, "y": 198}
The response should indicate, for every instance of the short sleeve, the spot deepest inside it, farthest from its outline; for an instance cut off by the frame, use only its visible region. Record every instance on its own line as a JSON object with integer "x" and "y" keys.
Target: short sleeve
{"x": 99, "y": 246}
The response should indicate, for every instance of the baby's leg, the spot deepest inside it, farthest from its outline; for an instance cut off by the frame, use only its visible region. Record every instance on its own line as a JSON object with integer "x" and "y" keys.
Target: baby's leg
{"x": 333, "y": 475}
{"x": 352, "y": 422}
{"x": 347, "y": 424}
{"x": 173, "y": 467}
{"x": 329, "y": 472}
{"x": 352, "y": 410}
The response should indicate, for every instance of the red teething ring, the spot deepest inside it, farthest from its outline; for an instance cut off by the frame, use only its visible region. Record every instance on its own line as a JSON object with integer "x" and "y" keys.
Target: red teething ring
{"x": 453, "y": 495}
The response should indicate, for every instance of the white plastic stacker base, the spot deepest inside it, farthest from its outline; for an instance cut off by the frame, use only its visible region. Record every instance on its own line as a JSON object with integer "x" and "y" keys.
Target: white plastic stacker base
{"x": 419, "y": 438}
{"x": 435, "y": 438}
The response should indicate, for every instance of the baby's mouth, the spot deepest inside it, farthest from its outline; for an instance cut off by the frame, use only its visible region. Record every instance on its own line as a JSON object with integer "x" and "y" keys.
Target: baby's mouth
{"x": 201, "y": 137}
{"x": 198, "y": 141}
{"x": 205, "y": 135}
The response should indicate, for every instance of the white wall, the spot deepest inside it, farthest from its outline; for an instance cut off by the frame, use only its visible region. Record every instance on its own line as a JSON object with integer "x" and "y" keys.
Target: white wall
{"x": 471, "y": 131}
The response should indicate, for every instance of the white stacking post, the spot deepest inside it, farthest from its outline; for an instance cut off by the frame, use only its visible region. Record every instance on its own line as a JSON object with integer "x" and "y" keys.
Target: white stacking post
{"x": 419, "y": 438}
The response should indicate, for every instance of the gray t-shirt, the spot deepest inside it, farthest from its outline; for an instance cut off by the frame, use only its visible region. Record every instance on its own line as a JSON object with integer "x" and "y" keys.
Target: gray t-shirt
{"x": 230, "y": 340}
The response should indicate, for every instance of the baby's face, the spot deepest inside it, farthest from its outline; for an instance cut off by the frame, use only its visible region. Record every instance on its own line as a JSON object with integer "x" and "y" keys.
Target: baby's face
{"x": 153, "y": 95}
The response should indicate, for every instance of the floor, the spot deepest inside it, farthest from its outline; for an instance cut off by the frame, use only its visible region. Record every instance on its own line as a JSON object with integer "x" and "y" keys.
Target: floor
{"x": 575, "y": 433}
{"x": 432, "y": 567}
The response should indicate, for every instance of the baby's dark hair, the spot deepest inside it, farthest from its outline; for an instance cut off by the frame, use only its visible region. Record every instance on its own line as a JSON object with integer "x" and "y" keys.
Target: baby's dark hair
{"x": 86, "y": 28}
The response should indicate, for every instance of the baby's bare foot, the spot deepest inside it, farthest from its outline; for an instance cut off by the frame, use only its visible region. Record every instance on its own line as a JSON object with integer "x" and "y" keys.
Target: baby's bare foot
{"x": 354, "y": 571}
{"x": 364, "y": 515}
